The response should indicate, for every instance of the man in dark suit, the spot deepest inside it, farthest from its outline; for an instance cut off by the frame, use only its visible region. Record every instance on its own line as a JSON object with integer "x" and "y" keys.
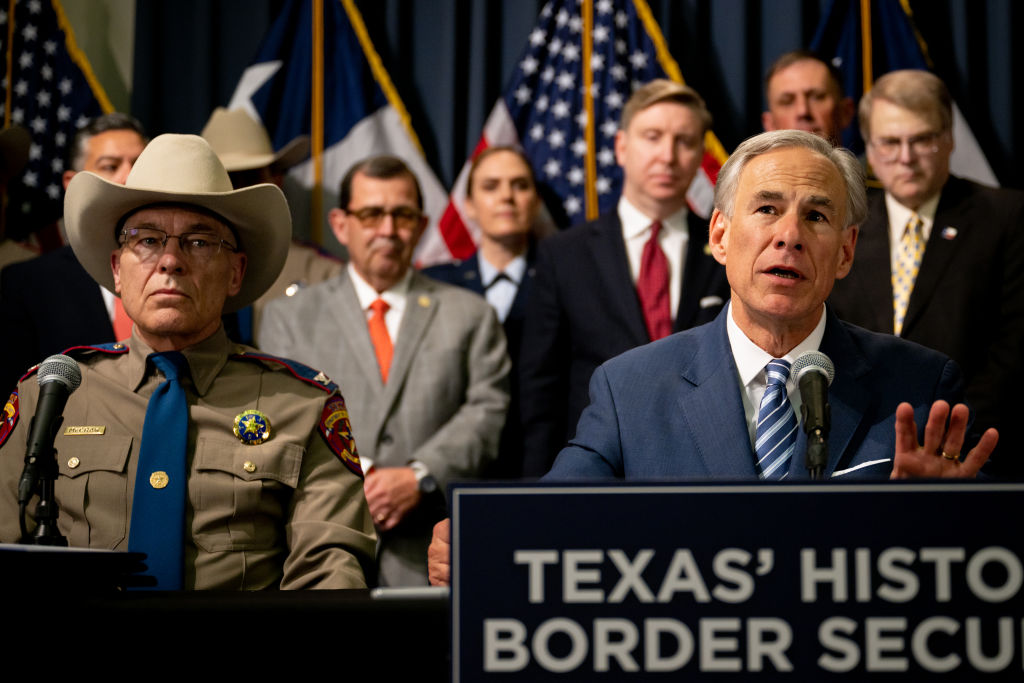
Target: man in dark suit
{"x": 50, "y": 303}
{"x": 787, "y": 206}
{"x": 720, "y": 402}
{"x": 941, "y": 259}
{"x": 624, "y": 279}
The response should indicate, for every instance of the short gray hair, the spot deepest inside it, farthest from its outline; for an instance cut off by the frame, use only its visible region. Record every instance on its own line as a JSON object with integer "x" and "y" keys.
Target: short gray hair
{"x": 849, "y": 168}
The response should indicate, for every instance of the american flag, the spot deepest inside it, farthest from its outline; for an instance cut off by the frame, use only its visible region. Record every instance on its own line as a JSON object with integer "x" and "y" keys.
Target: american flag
{"x": 51, "y": 91}
{"x": 562, "y": 106}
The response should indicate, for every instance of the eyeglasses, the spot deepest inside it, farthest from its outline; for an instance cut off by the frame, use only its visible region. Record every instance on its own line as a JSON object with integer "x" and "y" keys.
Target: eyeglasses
{"x": 922, "y": 145}
{"x": 148, "y": 244}
{"x": 404, "y": 217}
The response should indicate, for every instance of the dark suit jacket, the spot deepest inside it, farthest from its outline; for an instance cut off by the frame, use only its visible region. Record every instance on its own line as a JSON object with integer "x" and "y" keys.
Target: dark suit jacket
{"x": 672, "y": 409}
{"x": 584, "y": 310}
{"x": 47, "y": 304}
{"x": 967, "y": 302}
{"x": 466, "y": 274}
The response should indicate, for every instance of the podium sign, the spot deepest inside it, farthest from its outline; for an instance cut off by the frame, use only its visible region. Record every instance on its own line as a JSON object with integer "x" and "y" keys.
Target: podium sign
{"x": 718, "y": 582}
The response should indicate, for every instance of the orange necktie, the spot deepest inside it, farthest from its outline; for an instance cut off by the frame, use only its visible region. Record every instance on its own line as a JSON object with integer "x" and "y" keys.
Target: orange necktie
{"x": 380, "y": 337}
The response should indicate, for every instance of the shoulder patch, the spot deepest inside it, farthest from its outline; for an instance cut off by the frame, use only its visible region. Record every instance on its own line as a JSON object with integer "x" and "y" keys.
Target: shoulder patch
{"x": 298, "y": 370}
{"x": 337, "y": 432}
{"x": 9, "y": 417}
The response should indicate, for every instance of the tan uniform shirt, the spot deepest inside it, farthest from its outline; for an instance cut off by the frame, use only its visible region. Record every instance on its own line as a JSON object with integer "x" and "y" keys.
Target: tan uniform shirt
{"x": 285, "y": 513}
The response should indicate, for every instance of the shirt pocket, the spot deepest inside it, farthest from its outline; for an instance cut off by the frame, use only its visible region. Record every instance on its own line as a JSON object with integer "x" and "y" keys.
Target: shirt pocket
{"x": 241, "y": 494}
{"x": 92, "y": 490}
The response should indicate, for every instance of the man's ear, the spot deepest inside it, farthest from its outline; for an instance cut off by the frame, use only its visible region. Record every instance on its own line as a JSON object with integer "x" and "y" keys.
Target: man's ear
{"x": 846, "y": 251}
{"x": 337, "y": 220}
{"x": 115, "y": 267}
{"x": 237, "y": 273}
{"x": 718, "y": 235}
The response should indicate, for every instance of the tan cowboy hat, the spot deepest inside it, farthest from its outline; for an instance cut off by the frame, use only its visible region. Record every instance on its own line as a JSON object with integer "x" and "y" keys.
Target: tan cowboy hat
{"x": 242, "y": 143}
{"x": 180, "y": 169}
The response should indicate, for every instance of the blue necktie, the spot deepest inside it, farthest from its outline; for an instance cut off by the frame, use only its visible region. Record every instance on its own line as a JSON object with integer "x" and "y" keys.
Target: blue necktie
{"x": 158, "y": 510}
{"x": 775, "y": 437}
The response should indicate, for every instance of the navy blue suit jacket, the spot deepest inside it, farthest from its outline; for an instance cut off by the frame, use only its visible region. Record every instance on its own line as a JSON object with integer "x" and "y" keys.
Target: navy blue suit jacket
{"x": 466, "y": 273}
{"x": 583, "y": 311}
{"x": 672, "y": 409}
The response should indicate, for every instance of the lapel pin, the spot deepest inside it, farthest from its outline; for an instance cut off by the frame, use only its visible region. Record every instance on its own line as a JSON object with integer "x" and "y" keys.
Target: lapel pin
{"x": 424, "y": 300}
{"x": 949, "y": 232}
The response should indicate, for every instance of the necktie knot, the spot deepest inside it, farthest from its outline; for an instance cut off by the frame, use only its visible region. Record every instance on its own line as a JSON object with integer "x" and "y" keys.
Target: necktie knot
{"x": 655, "y": 229}
{"x": 498, "y": 278}
{"x": 380, "y": 307}
{"x": 171, "y": 364}
{"x": 777, "y": 372}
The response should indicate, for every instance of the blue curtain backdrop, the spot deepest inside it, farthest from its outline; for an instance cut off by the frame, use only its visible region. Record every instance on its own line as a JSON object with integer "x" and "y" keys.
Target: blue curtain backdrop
{"x": 450, "y": 59}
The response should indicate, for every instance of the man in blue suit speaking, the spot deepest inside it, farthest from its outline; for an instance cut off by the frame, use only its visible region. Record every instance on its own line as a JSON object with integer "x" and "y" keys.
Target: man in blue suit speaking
{"x": 717, "y": 401}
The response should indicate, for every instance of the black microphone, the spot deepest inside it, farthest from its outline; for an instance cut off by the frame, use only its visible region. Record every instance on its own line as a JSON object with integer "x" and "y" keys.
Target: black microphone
{"x": 814, "y": 372}
{"x": 59, "y": 375}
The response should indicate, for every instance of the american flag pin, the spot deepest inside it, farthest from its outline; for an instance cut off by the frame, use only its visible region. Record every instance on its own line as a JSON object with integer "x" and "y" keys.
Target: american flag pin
{"x": 949, "y": 232}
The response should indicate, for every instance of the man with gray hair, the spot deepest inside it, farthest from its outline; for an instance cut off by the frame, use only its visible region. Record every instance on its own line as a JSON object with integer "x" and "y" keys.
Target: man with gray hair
{"x": 941, "y": 259}
{"x": 718, "y": 401}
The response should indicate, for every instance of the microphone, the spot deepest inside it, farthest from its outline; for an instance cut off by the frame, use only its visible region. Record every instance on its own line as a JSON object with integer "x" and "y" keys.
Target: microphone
{"x": 59, "y": 375}
{"x": 814, "y": 372}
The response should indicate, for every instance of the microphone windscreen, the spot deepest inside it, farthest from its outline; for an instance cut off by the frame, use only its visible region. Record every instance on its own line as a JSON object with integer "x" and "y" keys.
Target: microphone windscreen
{"x": 814, "y": 361}
{"x": 60, "y": 368}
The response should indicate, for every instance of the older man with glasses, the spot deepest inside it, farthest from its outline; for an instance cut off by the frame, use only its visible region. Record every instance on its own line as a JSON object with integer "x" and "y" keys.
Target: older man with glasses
{"x": 940, "y": 260}
{"x": 423, "y": 364}
{"x": 230, "y": 469}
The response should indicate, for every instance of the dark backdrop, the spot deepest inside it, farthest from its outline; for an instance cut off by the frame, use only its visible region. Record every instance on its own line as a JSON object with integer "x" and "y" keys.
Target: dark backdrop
{"x": 449, "y": 60}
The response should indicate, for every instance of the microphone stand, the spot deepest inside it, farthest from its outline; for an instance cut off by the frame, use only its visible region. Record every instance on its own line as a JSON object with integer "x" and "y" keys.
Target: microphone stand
{"x": 47, "y": 510}
{"x": 817, "y": 451}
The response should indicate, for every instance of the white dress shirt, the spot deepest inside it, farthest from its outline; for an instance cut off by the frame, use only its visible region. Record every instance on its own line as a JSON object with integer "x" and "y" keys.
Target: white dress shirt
{"x": 751, "y": 360}
{"x": 395, "y": 297}
{"x": 674, "y": 237}
{"x": 899, "y": 216}
{"x": 502, "y": 293}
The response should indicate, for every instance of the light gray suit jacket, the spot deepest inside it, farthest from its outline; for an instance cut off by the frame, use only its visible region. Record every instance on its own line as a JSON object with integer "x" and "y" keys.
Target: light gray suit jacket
{"x": 445, "y": 400}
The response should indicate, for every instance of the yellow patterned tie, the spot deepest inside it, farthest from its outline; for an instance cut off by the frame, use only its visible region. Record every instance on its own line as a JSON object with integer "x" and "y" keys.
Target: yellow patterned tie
{"x": 908, "y": 262}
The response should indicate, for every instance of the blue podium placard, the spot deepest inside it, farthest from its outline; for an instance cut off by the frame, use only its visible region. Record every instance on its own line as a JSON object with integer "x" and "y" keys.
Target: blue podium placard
{"x": 712, "y": 582}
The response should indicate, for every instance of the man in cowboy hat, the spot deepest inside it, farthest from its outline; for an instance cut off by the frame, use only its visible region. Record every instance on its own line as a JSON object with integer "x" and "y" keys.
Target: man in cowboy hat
{"x": 230, "y": 469}
{"x": 244, "y": 147}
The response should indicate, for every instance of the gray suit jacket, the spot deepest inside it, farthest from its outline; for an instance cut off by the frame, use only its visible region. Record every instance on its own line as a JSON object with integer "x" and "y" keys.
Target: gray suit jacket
{"x": 445, "y": 400}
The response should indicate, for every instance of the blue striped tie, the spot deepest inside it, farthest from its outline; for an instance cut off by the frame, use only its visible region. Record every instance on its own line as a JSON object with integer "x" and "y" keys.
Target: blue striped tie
{"x": 775, "y": 437}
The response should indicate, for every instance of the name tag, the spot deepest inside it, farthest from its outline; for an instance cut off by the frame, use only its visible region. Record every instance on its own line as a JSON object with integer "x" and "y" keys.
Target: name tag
{"x": 78, "y": 430}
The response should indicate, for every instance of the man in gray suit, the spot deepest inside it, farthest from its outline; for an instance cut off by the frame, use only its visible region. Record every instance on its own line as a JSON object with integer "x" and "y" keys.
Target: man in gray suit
{"x": 422, "y": 364}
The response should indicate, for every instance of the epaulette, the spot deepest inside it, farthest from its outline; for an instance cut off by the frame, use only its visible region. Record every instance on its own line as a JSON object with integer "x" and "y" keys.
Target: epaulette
{"x": 113, "y": 348}
{"x": 334, "y": 425}
{"x": 298, "y": 370}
